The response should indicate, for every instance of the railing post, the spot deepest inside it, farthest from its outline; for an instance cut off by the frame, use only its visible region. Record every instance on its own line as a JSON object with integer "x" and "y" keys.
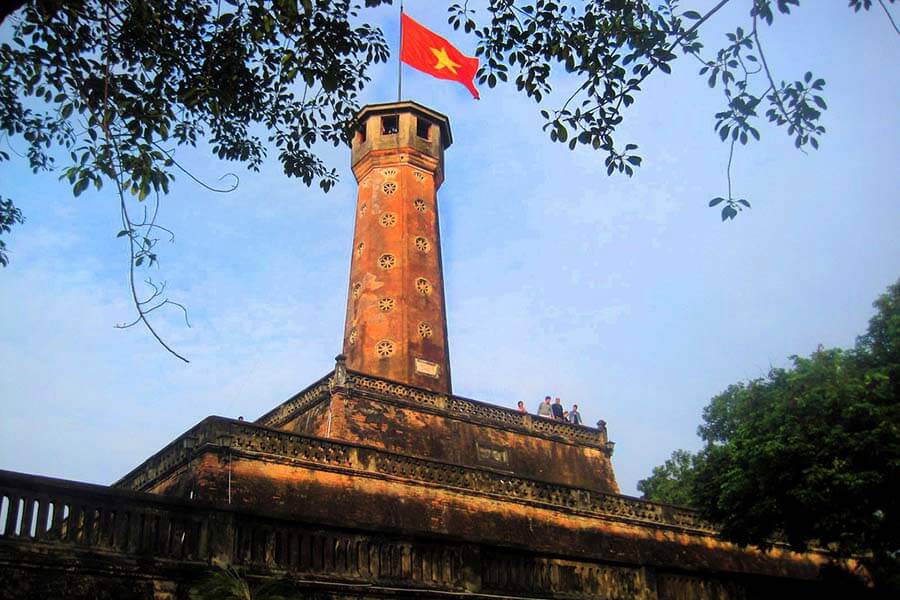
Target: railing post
{"x": 27, "y": 516}
{"x": 220, "y": 537}
{"x": 647, "y": 583}
{"x": 470, "y": 570}
{"x": 12, "y": 515}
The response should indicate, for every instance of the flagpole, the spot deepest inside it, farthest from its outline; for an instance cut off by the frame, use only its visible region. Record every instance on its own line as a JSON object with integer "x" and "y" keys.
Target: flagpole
{"x": 399, "y": 62}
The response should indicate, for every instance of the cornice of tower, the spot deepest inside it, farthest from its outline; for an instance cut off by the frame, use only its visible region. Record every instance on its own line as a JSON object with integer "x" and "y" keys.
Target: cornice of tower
{"x": 386, "y": 108}
{"x": 376, "y": 159}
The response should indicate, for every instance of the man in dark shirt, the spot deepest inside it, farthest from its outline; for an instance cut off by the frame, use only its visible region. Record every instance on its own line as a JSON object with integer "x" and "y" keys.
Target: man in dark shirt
{"x": 558, "y": 410}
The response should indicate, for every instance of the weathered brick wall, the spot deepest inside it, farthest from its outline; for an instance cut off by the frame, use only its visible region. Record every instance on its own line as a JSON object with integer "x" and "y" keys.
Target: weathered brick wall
{"x": 63, "y": 539}
{"x": 469, "y": 442}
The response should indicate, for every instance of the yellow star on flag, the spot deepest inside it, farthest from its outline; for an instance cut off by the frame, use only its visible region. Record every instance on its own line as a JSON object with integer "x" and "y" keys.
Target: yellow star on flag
{"x": 443, "y": 61}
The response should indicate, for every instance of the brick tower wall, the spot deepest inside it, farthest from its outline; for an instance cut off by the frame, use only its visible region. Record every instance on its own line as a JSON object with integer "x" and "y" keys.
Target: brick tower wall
{"x": 396, "y": 324}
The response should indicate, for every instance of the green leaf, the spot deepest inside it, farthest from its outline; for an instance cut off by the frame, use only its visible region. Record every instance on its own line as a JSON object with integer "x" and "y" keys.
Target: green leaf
{"x": 80, "y": 186}
{"x": 692, "y": 14}
{"x": 715, "y": 201}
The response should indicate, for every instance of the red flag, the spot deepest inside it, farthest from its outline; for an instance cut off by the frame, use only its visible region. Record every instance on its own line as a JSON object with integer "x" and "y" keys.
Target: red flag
{"x": 428, "y": 52}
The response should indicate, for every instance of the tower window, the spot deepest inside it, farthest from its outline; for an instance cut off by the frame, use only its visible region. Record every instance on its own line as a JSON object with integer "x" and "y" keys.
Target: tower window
{"x": 423, "y": 128}
{"x": 361, "y": 133}
{"x": 390, "y": 124}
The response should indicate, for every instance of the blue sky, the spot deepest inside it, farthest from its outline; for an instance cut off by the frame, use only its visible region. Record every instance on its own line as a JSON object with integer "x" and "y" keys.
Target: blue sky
{"x": 625, "y": 296}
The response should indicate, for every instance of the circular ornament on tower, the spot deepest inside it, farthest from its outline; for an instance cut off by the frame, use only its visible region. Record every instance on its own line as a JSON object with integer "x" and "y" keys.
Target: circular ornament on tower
{"x": 389, "y": 188}
{"x": 386, "y": 304}
{"x": 384, "y": 348}
{"x": 388, "y": 219}
{"x": 420, "y": 205}
{"x": 423, "y": 286}
{"x": 387, "y": 261}
{"x": 422, "y": 245}
{"x": 424, "y": 330}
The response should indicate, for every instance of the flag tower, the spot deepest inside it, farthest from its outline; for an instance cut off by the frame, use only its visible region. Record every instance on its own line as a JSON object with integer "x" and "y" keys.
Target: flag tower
{"x": 396, "y": 325}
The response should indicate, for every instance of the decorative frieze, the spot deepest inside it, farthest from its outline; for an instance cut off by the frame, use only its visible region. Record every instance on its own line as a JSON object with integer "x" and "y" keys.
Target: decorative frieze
{"x": 396, "y": 390}
{"x": 301, "y": 402}
{"x": 456, "y": 405}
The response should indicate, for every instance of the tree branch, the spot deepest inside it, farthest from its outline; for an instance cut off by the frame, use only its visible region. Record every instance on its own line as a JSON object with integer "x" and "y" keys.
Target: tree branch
{"x": 762, "y": 58}
{"x": 890, "y": 18}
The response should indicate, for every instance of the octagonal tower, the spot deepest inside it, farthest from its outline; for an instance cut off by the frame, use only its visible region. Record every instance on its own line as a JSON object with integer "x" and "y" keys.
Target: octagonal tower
{"x": 396, "y": 325}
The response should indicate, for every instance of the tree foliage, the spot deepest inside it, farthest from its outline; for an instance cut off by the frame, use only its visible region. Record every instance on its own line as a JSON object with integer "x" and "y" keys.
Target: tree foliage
{"x": 809, "y": 454}
{"x": 225, "y": 582}
{"x": 119, "y": 84}
{"x": 9, "y": 216}
{"x": 670, "y": 482}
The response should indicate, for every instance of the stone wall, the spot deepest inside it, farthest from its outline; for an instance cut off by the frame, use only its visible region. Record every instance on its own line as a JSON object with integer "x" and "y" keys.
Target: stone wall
{"x": 335, "y": 483}
{"x": 71, "y": 540}
{"x": 359, "y": 408}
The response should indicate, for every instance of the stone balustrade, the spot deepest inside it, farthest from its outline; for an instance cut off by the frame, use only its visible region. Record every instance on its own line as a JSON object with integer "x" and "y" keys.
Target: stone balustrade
{"x": 67, "y": 539}
{"x": 66, "y": 522}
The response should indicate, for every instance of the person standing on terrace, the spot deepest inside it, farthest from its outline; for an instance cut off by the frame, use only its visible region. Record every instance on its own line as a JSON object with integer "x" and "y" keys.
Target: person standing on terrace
{"x": 558, "y": 410}
{"x": 544, "y": 409}
{"x": 574, "y": 415}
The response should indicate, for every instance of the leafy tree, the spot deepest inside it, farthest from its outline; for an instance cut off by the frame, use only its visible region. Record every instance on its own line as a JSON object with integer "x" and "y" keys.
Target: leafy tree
{"x": 809, "y": 454}
{"x": 114, "y": 86}
{"x": 9, "y": 216}
{"x": 671, "y": 482}
{"x": 225, "y": 582}
{"x": 119, "y": 83}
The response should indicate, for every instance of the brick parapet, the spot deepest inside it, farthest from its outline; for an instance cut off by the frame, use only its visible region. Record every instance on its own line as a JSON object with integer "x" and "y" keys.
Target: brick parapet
{"x": 218, "y": 434}
{"x": 457, "y": 407}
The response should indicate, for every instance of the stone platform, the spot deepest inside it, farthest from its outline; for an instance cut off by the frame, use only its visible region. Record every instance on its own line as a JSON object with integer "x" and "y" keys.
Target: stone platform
{"x": 360, "y": 487}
